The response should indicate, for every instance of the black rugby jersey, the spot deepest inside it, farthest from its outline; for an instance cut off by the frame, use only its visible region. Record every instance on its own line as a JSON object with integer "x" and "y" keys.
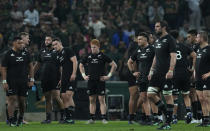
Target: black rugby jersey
{"x": 96, "y": 65}
{"x": 17, "y": 64}
{"x": 163, "y": 47}
{"x": 144, "y": 57}
{"x": 202, "y": 62}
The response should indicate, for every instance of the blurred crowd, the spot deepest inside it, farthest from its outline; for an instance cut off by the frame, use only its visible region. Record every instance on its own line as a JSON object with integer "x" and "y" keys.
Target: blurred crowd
{"x": 113, "y": 22}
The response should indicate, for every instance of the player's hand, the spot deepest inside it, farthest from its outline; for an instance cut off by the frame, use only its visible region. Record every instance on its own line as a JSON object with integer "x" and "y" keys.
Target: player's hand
{"x": 169, "y": 75}
{"x": 136, "y": 74}
{"x": 104, "y": 78}
{"x": 86, "y": 77}
{"x": 73, "y": 77}
{"x": 5, "y": 86}
{"x": 30, "y": 84}
{"x": 205, "y": 76}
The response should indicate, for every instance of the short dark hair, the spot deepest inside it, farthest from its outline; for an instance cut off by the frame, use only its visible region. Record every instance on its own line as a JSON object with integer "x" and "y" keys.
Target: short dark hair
{"x": 163, "y": 24}
{"x": 56, "y": 39}
{"x": 204, "y": 35}
{"x": 23, "y": 34}
{"x": 174, "y": 33}
{"x": 16, "y": 38}
{"x": 192, "y": 32}
{"x": 144, "y": 34}
{"x": 49, "y": 35}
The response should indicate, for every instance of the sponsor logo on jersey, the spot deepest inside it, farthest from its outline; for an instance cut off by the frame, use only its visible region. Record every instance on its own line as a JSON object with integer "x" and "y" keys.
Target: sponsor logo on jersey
{"x": 102, "y": 92}
{"x": 164, "y": 40}
{"x": 143, "y": 55}
{"x": 165, "y": 86}
{"x": 70, "y": 87}
{"x": 99, "y": 55}
{"x": 23, "y": 53}
{"x": 19, "y": 59}
{"x": 204, "y": 87}
{"x": 158, "y": 45}
{"x": 199, "y": 55}
{"x": 148, "y": 50}
{"x": 94, "y": 61}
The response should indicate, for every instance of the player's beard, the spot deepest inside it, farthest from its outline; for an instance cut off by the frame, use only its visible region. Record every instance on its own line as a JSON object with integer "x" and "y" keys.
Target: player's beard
{"x": 49, "y": 45}
{"x": 158, "y": 34}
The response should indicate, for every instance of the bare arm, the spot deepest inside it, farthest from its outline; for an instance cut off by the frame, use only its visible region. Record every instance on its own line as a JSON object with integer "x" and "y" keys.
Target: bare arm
{"x": 152, "y": 68}
{"x": 31, "y": 70}
{"x": 4, "y": 77}
{"x": 193, "y": 55}
{"x": 172, "y": 61}
{"x": 36, "y": 67}
{"x": 82, "y": 71}
{"x": 133, "y": 68}
{"x": 31, "y": 74}
{"x": 169, "y": 74}
{"x": 153, "y": 64}
{"x": 81, "y": 68}
{"x": 61, "y": 71}
{"x": 131, "y": 65}
{"x": 113, "y": 67}
{"x": 4, "y": 73}
{"x": 75, "y": 64}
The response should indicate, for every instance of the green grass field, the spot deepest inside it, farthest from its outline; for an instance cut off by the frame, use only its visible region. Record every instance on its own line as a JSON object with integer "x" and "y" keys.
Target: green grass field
{"x": 98, "y": 126}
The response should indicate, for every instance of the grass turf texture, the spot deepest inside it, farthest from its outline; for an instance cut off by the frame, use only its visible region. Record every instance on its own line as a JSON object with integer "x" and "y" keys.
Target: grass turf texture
{"x": 98, "y": 126}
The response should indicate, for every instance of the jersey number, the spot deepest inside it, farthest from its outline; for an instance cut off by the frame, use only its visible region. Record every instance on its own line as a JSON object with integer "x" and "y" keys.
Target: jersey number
{"x": 178, "y": 55}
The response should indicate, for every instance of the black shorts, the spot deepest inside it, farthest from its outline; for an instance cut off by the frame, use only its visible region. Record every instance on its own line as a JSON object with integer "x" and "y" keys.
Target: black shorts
{"x": 131, "y": 80}
{"x": 181, "y": 85}
{"x": 19, "y": 88}
{"x": 143, "y": 86}
{"x": 96, "y": 88}
{"x": 67, "y": 85}
{"x": 203, "y": 85}
{"x": 47, "y": 85}
{"x": 159, "y": 80}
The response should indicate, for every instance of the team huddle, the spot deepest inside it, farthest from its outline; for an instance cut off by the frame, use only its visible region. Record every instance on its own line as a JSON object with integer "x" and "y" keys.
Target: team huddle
{"x": 163, "y": 68}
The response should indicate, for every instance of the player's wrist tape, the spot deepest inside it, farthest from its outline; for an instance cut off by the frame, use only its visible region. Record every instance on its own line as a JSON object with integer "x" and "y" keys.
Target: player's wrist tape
{"x": 192, "y": 68}
{"x": 170, "y": 71}
{"x": 83, "y": 75}
{"x": 4, "y": 81}
{"x": 152, "y": 69}
{"x": 32, "y": 79}
{"x": 151, "y": 72}
{"x": 110, "y": 74}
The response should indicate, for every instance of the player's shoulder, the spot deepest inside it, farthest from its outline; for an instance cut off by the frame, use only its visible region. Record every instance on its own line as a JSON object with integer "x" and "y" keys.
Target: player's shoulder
{"x": 168, "y": 38}
{"x": 151, "y": 46}
{"x": 89, "y": 56}
{"x": 208, "y": 47}
{"x": 9, "y": 52}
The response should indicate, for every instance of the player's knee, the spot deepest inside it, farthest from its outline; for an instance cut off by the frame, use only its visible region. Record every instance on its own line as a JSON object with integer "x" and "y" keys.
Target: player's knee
{"x": 92, "y": 101}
